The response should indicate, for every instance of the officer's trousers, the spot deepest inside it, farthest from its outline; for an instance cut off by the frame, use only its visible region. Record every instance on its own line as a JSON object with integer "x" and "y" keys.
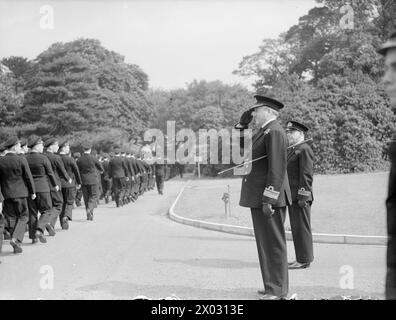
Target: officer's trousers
{"x": 119, "y": 187}
{"x": 159, "y": 179}
{"x": 300, "y": 223}
{"x": 90, "y": 195}
{"x": 390, "y": 286}
{"x": 68, "y": 195}
{"x": 42, "y": 204}
{"x": 57, "y": 203}
{"x": 17, "y": 213}
{"x": 271, "y": 246}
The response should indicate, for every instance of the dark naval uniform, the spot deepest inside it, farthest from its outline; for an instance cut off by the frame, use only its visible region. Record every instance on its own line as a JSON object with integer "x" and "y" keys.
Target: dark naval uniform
{"x": 391, "y": 224}
{"x": 43, "y": 177}
{"x": 118, "y": 171}
{"x": 390, "y": 286}
{"x": 16, "y": 185}
{"x": 57, "y": 197}
{"x": 106, "y": 180}
{"x": 89, "y": 167}
{"x": 69, "y": 189}
{"x": 300, "y": 173}
{"x": 2, "y": 221}
{"x": 159, "y": 176}
{"x": 267, "y": 183}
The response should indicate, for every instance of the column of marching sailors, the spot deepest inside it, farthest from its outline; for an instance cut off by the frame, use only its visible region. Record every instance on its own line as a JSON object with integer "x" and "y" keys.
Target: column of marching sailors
{"x": 41, "y": 183}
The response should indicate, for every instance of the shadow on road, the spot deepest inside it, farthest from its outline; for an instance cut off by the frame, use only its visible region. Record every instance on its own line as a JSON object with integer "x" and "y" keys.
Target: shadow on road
{"x": 128, "y": 290}
{"x": 237, "y": 238}
{"x": 212, "y": 263}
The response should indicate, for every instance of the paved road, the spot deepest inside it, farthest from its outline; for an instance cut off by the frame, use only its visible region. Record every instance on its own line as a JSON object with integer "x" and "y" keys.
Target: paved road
{"x": 137, "y": 250}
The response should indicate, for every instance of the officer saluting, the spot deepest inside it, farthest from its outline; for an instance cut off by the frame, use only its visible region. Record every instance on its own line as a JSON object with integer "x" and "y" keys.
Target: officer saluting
{"x": 16, "y": 185}
{"x": 88, "y": 166}
{"x": 300, "y": 173}
{"x": 265, "y": 190}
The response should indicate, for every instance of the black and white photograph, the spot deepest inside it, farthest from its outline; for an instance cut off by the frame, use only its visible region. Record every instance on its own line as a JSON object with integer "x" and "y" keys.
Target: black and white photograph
{"x": 223, "y": 151}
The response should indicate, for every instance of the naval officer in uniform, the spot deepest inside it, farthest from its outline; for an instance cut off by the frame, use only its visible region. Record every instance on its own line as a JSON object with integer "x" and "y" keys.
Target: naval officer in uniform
{"x": 388, "y": 50}
{"x": 265, "y": 190}
{"x": 300, "y": 161}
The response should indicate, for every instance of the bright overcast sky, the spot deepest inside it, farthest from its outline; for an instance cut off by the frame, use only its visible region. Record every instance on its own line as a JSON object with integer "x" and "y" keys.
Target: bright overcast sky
{"x": 173, "y": 41}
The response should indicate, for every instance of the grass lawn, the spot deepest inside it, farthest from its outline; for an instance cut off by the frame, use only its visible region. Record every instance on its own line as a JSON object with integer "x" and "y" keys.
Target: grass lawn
{"x": 349, "y": 203}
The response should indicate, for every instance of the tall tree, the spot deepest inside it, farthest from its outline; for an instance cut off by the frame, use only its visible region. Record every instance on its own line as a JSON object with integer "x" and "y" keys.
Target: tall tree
{"x": 82, "y": 86}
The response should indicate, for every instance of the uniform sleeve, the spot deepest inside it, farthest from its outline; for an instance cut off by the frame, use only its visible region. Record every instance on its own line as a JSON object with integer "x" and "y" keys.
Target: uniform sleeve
{"x": 110, "y": 169}
{"x": 61, "y": 169}
{"x": 49, "y": 172}
{"x": 98, "y": 165}
{"x": 125, "y": 167}
{"x": 76, "y": 171}
{"x": 27, "y": 176}
{"x": 276, "y": 146}
{"x": 131, "y": 169}
{"x": 306, "y": 160}
{"x": 136, "y": 167}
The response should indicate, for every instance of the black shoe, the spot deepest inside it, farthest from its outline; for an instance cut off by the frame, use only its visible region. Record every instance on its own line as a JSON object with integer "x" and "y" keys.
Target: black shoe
{"x": 298, "y": 265}
{"x": 262, "y": 292}
{"x": 34, "y": 241}
{"x": 50, "y": 229}
{"x": 40, "y": 236}
{"x": 269, "y": 297}
{"x": 7, "y": 235}
{"x": 65, "y": 223}
{"x": 16, "y": 246}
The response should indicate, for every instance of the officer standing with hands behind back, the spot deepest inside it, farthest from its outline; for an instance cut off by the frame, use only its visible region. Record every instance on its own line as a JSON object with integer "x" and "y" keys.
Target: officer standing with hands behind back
{"x": 300, "y": 161}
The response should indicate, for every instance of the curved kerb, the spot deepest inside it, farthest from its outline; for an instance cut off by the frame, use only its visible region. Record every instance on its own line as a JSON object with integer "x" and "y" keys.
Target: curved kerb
{"x": 246, "y": 231}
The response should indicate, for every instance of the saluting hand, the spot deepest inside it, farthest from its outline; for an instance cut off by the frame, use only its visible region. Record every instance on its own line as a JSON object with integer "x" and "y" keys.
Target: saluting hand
{"x": 78, "y": 186}
{"x": 267, "y": 210}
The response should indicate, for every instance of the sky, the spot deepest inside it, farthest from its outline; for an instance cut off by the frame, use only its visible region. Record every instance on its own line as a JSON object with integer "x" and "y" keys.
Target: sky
{"x": 173, "y": 41}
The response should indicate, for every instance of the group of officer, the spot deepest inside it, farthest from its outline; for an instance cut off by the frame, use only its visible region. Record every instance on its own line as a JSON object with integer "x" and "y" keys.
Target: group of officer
{"x": 279, "y": 176}
{"x": 37, "y": 188}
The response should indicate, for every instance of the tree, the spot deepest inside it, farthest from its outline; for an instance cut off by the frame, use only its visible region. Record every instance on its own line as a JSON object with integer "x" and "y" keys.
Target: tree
{"x": 80, "y": 86}
{"x": 10, "y": 102}
{"x": 22, "y": 68}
